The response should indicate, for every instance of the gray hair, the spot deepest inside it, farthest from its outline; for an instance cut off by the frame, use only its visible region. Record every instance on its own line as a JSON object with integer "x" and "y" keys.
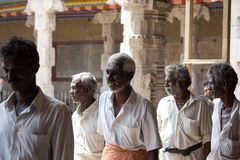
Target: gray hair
{"x": 87, "y": 79}
{"x": 124, "y": 61}
{"x": 225, "y": 74}
{"x": 180, "y": 72}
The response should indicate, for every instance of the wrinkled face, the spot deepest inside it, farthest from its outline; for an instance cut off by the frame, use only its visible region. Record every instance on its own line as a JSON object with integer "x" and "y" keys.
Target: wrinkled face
{"x": 117, "y": 79}
{"x": 77, "y": 91}
{"x": 217, "y": 88}
{"x": 19, "y": 74}
{"x": 171, "y": 85}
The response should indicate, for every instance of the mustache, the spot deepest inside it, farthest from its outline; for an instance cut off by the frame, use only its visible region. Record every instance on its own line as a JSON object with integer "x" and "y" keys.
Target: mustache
{"x": 112, "y": 82}
{"x": 13, "y": 80}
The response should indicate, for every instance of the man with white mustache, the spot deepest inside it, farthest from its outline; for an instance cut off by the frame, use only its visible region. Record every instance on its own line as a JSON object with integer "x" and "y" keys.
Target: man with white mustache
{"x": 127, "y": 120}
{"x": 184, "y": 120}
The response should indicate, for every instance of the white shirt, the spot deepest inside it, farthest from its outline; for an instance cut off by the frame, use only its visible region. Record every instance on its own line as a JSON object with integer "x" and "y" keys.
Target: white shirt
{"x": 135, "y": 126}
{"x": 184, "y": 128}
{"x": 225, "y": 143}
{"x": 88, "y": 144}
{"x": 43, "y": 131}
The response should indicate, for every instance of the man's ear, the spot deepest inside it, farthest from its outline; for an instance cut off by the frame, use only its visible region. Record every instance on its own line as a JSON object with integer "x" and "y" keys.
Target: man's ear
{"x": 225, "y": 87}
{"x": 130, "y": 76}
{"x": 36, "y": 68}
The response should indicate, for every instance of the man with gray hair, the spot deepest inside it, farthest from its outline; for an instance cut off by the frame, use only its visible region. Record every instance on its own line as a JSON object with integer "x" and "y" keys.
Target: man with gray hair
{"x": 184, "y": 119}
{"x": 127, "y": 120}
{"x": 225, "y": 141}
{"x": 88, "y": 145}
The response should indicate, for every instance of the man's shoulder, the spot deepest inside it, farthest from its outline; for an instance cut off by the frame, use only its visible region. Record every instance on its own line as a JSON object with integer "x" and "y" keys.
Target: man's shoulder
{"x": 104, "y": 95}
{"x": 55, "y": 102}
{"x": 51, "y": 103}
{"x": 2, "y": 104}
{"x": 166, "y": 99}
{"x": 143, "y": 100}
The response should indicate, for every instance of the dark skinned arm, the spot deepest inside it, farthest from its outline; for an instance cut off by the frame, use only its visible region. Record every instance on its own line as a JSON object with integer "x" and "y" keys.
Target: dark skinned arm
{"x": 153, "y": 155}
{"x": 206, "y": 149}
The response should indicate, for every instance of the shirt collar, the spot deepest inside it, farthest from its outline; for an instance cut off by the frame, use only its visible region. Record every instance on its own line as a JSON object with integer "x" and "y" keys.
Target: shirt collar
{"x": 88, "y": 110}
{"x": 191, "y": 99}
{"x": 131, "y": 99}
{"x": 37, "y": 102}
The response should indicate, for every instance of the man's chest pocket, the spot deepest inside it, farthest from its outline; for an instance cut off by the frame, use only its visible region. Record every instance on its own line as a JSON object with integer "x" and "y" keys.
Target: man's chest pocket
{"x": 189, "y": 126}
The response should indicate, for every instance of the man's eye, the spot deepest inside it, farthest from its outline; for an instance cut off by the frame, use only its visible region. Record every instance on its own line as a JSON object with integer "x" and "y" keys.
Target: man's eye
{"x": 5, "y": 70}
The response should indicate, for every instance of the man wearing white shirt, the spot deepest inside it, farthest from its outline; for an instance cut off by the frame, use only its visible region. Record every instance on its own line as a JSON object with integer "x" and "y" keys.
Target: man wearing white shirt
{"x": 33, "y": 126}
{"x": 88, "y": 144}
{"x": 225, "y": 141}
{"x": 127, "y": 120}
{"x": 184, "y": 120}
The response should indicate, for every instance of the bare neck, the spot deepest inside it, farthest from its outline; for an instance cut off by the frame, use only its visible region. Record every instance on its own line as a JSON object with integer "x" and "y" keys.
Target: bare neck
{"x": 182, "y": 98}
{"x": 24, "y": 99}
{"x": 121, "y": 97}
{"x": 27, "y": 96}
{"x": 87, "y": 103}
{"x": 228, "y": 100}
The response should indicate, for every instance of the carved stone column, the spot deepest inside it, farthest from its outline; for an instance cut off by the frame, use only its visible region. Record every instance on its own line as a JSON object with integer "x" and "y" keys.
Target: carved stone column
{"x": 108, "y": 19}
{"x": 44, "y": 24}
{"x": 235, "y": 41}
{"x": 143, "y": 39}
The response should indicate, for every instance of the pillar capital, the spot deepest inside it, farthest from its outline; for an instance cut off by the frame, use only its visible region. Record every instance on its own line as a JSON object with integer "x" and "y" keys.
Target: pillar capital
{"x": 43, "y": 6}
{"x": 106, "y": 17}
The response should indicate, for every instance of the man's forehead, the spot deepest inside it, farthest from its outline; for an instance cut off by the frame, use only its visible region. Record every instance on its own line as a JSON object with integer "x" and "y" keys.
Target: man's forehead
{"x": 77, "y": 82}
{"x": 17, "y": 61}
{"x": 113, "y": 65}
{"x": 169, "y": 75}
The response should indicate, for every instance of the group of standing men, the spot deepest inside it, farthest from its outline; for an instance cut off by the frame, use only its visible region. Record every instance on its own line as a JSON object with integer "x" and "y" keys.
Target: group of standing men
{"x": 123, "y": 125}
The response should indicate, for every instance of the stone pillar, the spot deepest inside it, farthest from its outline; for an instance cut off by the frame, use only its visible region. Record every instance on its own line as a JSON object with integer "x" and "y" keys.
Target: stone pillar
{"x": 44, "y": 24}
{"x": 143, "y": 39}
{"x": 108, "y": 19}
{"x": 235, "y": 41}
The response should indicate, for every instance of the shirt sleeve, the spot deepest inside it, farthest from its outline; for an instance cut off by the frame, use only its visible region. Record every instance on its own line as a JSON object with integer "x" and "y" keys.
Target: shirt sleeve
{"x": 99, "y": 125}
{"x": 62, "y": 138}
{"x": 150, "y": 129}
{"x": 206, "y": 121}
{"x": 159, "y": 120}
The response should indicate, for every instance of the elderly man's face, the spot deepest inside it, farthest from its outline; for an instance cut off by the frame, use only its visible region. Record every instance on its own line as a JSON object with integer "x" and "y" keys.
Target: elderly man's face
{"x": 77, "y": 91}
{"x": 117, "y": 78}
{"x": 18, "y": 73}
{"x": 171, "y": 85}
{"x": 217, "y": 87}
{"x": 208, "y": 91}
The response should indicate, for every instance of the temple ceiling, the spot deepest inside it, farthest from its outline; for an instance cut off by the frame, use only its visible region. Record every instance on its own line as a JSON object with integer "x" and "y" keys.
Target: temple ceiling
{"x": 14, "y": 9}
